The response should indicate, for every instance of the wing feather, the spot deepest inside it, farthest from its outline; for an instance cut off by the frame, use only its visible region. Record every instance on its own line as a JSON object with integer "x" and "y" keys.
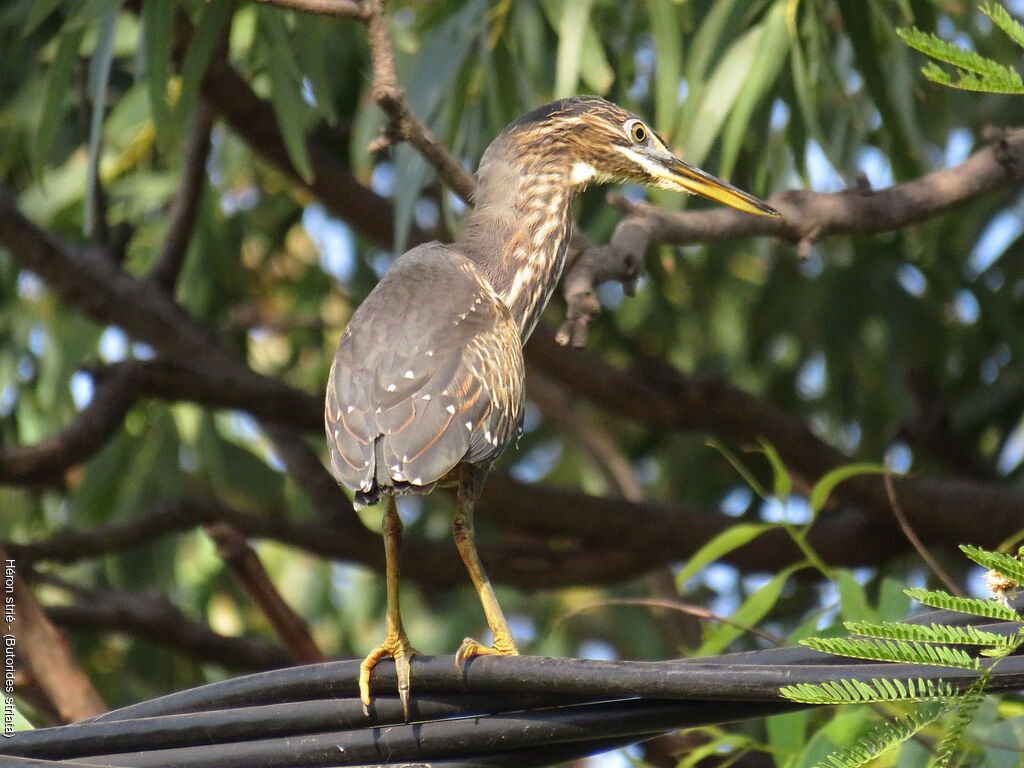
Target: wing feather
{"x": 428, "y": 374}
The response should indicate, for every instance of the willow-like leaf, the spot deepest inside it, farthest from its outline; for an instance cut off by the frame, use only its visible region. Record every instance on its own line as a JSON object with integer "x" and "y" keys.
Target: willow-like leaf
{"x": 988, "y": 608}
{"x": 893, "y": 650}
{"x": 935, "y": 633}
{"x": 882, "y": 739}
{"x": 876, "y": 690}
{"x": 1001, "y": 563}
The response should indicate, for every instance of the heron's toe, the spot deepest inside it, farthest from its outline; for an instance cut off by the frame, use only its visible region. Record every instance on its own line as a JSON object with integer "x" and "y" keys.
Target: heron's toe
{"x": 398, "y": 647}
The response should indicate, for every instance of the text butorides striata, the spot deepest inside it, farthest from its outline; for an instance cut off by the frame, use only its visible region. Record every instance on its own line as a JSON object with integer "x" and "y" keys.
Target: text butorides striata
{"x": 426, "y": 387}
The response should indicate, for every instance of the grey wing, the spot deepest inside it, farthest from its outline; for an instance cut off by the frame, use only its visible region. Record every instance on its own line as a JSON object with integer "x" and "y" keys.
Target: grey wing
{"x": 428, "y": 374}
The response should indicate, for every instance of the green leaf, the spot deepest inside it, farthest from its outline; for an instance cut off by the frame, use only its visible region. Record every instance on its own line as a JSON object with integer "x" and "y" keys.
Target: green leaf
{"x": 1002, "y": 19}
{"x": 711, "y": 35}
{"x": 157, "y": 40}
{"x": 208, "y": 30}
{"x": 787, "y": 735}
{"x": 595, "y": 70}
{"x": 988, "y": 608}
{"x": 852, "y": 599}
{"x": 731, "y": 538}
{"x": 883, "y": 739}
{"x": 55, "y": 98}
{"x": 874, "y": 690}
{"x": 782, "y": 483}
{"x": 772, "y": 51}
{"x": 740, "y": 468}
{"x": 719, "y": 95}
{"x": 99, "y": 76}
{"x": 825, "y": 486}
{"x": 974, "y": 71}
{"x": 893, "y": 650}
{"x": 750, "y": 613}
{"x": 934, "y": 633}
{"x": 1000, "y": 562}
{"x": 858, "y": 18}
{"x": 571, "y": 27}
{"x": 38, "y": 12}
{"x": 667, "y": 57}
{"x": 286, "y": 92}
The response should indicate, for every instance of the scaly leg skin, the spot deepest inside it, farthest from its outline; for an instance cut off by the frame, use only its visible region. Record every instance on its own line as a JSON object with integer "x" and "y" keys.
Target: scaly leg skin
{"x": 462, "y": 529}
{"x": 396, "y": 644}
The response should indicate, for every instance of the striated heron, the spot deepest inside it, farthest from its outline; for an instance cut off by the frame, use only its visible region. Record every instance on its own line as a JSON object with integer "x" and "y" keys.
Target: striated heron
{"x": 426, "y": 387}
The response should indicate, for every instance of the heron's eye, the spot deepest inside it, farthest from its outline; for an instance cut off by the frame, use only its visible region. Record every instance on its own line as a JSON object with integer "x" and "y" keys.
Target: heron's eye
{"x": 636, "y": 131}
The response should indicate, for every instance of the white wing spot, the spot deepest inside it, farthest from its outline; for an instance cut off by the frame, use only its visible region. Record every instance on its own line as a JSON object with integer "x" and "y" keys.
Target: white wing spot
{"x": 469, "y": 425}
{"x": 425, "y": 397}
{"x": 350, "y": 409}
{"x": 429, "y": 353}
{"x": 450, "y": 408}
{"x": 378, "y": 410}
{"x": 409, "y": 374}
{"x": 392, "y": 387}
{"x": 417, "y": 481}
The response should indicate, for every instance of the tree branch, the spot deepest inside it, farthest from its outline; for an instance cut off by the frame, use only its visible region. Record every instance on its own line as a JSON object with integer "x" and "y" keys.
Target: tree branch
{"x": 45, "y": 653}
{"x": 806, "y": 217}
{"x": 46, "y": 462}
{"x": 153, "y": 617}
{"x": 404, "y": 124}
{"x": 249, "y": 572}
{"x": 185, "y": 207}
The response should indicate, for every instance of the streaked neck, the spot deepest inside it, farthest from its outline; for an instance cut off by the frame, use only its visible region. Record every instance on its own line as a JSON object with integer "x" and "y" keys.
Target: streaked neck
{"x": 518, "y": 234}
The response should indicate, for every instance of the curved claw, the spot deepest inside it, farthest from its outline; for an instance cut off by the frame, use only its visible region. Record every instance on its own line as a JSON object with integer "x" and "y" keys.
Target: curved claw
{"x": 471, "y": 648}
{"x": 398, "y": 647}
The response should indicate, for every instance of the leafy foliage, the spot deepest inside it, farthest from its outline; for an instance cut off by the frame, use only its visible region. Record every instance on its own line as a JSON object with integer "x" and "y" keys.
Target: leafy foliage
{"x": 903, "y": 344}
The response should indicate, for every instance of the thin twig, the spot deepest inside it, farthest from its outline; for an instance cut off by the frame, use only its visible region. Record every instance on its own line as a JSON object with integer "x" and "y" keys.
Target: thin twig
{"x": 912, "y": 537}
{"x": 388, "y": 94}
{"x": 671, "y": 605}
{"x": 247, "y": 569}
{"x": 186, "y": 202}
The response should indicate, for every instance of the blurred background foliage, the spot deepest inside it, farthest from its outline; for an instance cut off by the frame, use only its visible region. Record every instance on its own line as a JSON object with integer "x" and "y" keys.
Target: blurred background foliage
{"x": 905, "y": 346}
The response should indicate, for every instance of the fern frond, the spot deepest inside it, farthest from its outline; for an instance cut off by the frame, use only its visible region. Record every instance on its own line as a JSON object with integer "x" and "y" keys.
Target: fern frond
{"x": 974, "y": 71}
{"x": 877, "y": 690}
{"x": 893, "y": 650}
{"x": 988, "y": 608}
{"x": 882, "y": 739}
{"x": 1000, "y": 562}
{"x": 965, "y": 710}
{"x": 937, "y": 48}
{"x": 936, "y": 633}
{"x": 1002, "y": 19}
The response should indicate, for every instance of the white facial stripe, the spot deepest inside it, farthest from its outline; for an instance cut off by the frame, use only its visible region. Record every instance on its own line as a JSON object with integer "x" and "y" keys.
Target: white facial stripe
{"x": 642, "y": 160}
{"x": 582, "y": 173}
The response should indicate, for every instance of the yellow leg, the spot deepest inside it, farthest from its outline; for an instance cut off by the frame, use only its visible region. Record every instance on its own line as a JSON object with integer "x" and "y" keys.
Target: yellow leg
{"x": 462, "y": 528}
{"x": 396, "y": 644}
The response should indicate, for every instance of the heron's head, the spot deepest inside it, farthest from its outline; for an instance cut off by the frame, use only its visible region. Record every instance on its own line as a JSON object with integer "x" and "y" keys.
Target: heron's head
{"x": 597, "y": 140}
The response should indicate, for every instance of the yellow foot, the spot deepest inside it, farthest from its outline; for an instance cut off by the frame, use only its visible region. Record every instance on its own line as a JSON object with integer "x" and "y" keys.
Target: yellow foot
{"x": 396, "y": 646}
{"x": 471, "y": 648}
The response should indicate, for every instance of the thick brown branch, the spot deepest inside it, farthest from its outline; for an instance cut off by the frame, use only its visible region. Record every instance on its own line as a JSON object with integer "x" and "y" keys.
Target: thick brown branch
{"x": 47, "y": 461}
{"x": 44, "y": 652}
{"x": 186, "y": 203}
{"x": 665, "y": 398}
{"x": 153, "y": 617}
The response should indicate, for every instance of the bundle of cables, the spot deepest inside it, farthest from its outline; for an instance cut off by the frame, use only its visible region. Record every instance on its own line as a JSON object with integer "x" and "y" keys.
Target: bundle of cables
{"x": 510, "y": 711}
